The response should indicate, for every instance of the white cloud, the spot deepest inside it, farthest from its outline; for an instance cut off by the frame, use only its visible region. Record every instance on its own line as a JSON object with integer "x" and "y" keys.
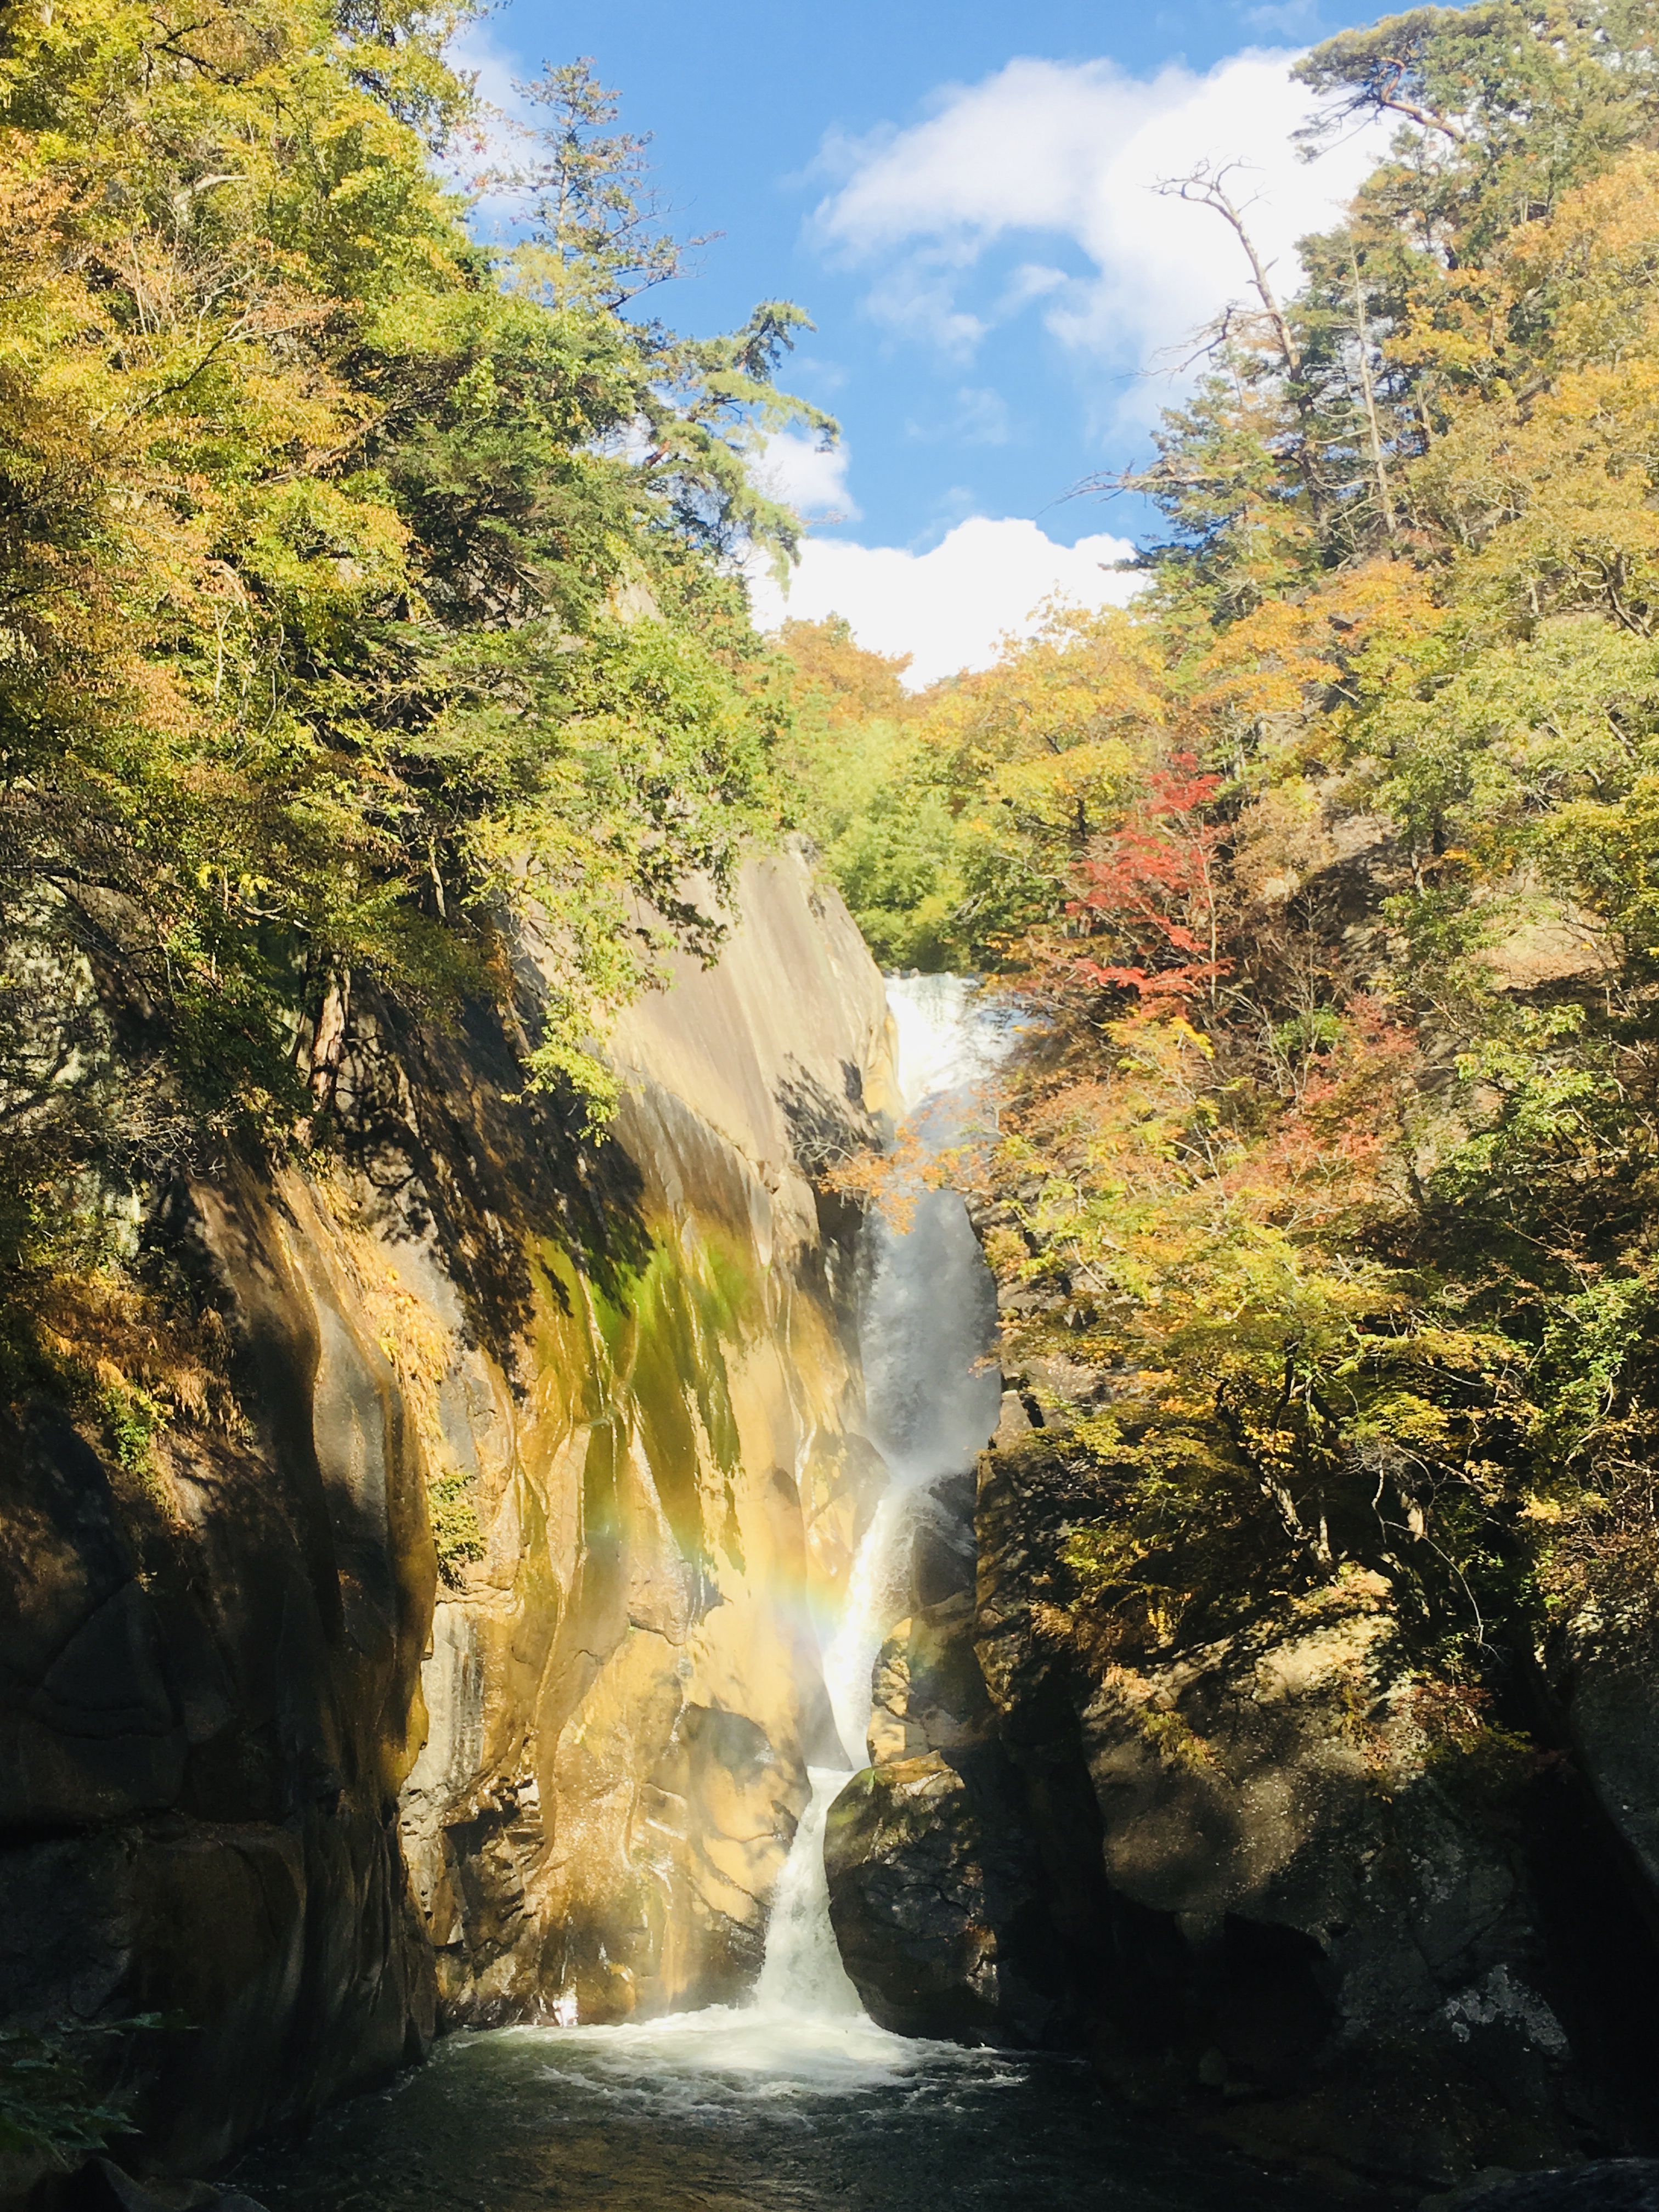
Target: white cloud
{"x": 805, "y": 475}
{"x": 918, "y": 297}
{"x": 1075, "y": 151}
{"x": 1293, "y": 18}
{"x": 951, "y": 607}
{"x": 492, "y": 143}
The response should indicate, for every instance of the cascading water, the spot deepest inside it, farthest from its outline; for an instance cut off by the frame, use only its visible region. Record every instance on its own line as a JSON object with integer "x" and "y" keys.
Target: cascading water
{"x": 803, "y": 1974}
{"x": 797, "y": 2098}
{"x": 932, "y": 1396}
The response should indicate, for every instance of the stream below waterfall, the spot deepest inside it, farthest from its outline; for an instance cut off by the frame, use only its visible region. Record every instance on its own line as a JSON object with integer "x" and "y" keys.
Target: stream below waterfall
{"x": 797, "y": 2100}
{"x": 748, "y": 2111}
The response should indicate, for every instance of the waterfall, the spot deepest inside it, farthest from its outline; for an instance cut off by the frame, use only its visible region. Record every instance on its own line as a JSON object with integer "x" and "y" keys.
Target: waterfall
{"x": 802, "y": 1971}
{"x": 945, "y": 1041}
{"x": 932, "y": 1396}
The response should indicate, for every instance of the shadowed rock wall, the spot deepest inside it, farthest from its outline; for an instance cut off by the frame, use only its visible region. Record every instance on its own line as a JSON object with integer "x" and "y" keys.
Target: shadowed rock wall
{"x": 207, "y": 1669}
{"x": 1256, "y": 1879}
{"x": 459, "y": 1660}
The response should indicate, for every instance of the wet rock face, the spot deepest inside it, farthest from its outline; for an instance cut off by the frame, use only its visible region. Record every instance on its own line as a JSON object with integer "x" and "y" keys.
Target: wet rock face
{"x": 465, "y": 1667}
{"x": 936, "y": 1899}
{"x": 669, "y": 1479}
{"x": 936, "y": 1891}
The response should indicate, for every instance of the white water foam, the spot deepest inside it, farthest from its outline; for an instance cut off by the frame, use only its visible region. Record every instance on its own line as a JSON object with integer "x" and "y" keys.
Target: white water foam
{"x": 942, "y": 1047}
{"x": 803, "y": 1976}
{"x": 931, "y": 1398}
{"x": 730, "y": 2054}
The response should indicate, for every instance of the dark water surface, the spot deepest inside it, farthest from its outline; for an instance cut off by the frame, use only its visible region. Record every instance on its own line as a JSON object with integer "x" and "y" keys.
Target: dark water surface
{"x": 746, "y": 2111}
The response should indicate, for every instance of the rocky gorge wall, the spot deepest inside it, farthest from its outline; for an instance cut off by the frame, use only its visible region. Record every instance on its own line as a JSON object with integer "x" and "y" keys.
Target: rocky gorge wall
{"x": 1263, "y": 1883}
{"x": 624, "y": 1689}
{"x": 448, "y": 1653}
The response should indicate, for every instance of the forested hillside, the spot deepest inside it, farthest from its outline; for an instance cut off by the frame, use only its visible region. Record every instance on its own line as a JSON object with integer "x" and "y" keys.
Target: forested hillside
{"x": 1328, "y": 1204}
{"x": 363, "y": 590}
{"x": 433, "y": 1539}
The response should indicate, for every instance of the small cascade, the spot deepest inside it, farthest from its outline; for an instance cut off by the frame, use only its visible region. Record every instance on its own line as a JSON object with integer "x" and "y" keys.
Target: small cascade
{"x": 931, "y": 1394}
{"x": 945, "y": 1042}
{"x": 803, "y": 1972}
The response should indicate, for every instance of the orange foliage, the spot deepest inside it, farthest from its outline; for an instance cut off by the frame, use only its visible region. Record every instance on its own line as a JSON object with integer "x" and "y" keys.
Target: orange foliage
{"x": 848, "y": 682}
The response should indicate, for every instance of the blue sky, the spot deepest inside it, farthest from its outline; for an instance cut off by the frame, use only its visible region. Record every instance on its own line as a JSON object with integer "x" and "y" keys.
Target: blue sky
{"x": 963, "y": 197}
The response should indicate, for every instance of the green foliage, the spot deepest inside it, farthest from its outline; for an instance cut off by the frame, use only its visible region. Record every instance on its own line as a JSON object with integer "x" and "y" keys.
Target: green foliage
{"x": 48, "y": 2100}
{"x": 950, "y": 821}
{"x": 1504, "y": 107}
{"x": 597, "y": 220}
{"x": 130, "y": 1420}
{"x": 1173, "y": 1739}
{"x": 899, "y": 863}
{"x": 865, "y": 790}
{"x": 1331, "y": 1176}
{"x": 363, "y": 590}
{"x": 456, "y": 1529}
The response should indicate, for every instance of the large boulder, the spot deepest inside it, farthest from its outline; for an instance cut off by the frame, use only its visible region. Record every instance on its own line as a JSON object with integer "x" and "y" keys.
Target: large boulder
{"x": 1280, "y": 1886}
{"x": 1339, "y": 1934}
{"x": 939, "y": 1893}
{"x": 936, "y": 1899}
{"x": 1328, "y": 1940}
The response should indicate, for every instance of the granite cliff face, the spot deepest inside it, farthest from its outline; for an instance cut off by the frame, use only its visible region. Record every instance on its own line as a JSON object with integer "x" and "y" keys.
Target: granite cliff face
{"x": 458, "y": 1661}
{"x": 624, "y": 1688}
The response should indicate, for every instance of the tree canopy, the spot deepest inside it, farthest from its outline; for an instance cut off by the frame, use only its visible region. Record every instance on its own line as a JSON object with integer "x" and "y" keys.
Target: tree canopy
{"x": 363, "y": 592}
{"x": 1330, "y": 865}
